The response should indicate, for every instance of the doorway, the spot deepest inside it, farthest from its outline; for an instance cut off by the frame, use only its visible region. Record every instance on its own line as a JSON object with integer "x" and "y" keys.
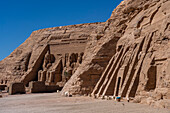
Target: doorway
{"x": 118, "y": 85}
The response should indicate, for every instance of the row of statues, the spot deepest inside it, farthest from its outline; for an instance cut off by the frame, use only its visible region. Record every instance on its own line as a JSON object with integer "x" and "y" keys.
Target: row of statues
{"x": 48, "y": 60}
{"x": 54, "y": 71}
{"x": 71, "y": 64}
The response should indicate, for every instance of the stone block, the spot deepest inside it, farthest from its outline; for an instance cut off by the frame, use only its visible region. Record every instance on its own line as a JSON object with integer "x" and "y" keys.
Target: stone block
{"x": 40, "y": 87}
{"x": 16, "y": 88}
{"x": 37, "y": 87}
{"x": 53, "y": 88}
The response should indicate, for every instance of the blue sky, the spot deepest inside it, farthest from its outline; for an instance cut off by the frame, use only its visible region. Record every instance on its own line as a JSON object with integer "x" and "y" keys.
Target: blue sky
{"x": 19, "y": 18}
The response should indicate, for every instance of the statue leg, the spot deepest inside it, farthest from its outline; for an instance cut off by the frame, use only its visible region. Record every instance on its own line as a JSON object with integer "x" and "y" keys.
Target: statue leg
{"x": 39, "y": 75}
{"x": 51, "y": 76}
{"x": 47, "y": 77}
{"x": 43, "y": 76}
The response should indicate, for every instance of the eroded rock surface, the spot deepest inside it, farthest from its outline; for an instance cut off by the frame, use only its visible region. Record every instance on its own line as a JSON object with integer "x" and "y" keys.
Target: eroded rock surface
{"x": 46, "y": 50}
{"x": 136, "y": 41}
{"x": 127, "y": 56}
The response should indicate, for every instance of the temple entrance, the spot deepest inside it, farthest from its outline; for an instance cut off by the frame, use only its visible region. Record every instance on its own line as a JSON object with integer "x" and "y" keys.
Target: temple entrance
{"x": 118, "y": 85}
{"x": 151, "y": 83}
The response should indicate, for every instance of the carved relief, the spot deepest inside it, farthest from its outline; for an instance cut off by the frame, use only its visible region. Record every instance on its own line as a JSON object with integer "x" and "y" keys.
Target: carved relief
{"x": 72, "y": 62}
{"x": 53, "y": 72}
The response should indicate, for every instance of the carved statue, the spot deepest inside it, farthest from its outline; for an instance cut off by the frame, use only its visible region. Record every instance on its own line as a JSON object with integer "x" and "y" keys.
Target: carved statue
{"x": 42, "y": 75}
{"x": 47, "y": 61}
{"x": 54, "y": 75}
{"x": 67, "y": 73}
{"x": 80, "y": 58}
{"x": 66, "y": 59}
{"x": 59, "y": 72}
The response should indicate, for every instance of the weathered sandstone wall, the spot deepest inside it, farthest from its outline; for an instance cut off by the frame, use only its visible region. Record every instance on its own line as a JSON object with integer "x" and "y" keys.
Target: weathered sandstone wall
{"x": 127, "y": 56}
{"x": 136, "y": 40}
{"x": 24, "y": 62}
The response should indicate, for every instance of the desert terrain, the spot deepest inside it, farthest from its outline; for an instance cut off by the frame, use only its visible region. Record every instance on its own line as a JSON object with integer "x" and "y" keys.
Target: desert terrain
{"x": 128, "y": 56}
{"x": 55, "y": 103}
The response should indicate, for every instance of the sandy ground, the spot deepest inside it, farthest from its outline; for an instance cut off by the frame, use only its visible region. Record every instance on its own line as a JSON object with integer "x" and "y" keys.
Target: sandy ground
{"x": 54, "y": 103}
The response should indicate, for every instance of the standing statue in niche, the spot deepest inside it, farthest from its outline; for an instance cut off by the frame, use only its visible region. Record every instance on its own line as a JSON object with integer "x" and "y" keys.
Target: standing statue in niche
{"x": 79, "y": 61}
{"x": 68, "y": 69}
{"x": 66, "y": 59}
{"x": 80, "y": 58}
{"x": 73, "y": 60}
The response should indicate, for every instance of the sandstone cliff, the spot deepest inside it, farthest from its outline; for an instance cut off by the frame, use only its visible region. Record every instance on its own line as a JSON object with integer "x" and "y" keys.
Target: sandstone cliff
{"x": 127, "y": 56}
{"x": 24, "y": 62}
{"x": 136, "y": 40}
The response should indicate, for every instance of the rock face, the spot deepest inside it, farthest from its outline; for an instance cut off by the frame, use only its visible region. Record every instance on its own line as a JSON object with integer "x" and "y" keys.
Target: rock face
{"x": 127, "y": 56}
{"x": 47, "y": 50}
{"x": 136, "y": 40}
